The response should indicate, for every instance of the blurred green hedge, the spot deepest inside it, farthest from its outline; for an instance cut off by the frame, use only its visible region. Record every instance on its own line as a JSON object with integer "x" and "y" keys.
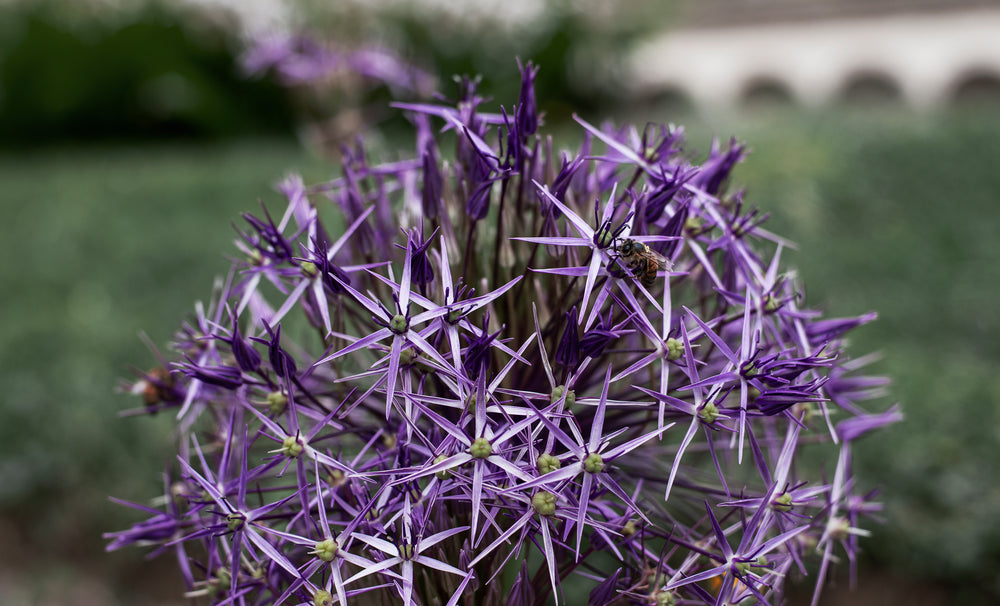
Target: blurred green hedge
{"x": 157, "y": 73}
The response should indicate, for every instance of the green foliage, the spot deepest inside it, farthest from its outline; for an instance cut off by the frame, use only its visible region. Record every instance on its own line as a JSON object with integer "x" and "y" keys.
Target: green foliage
{"x": 579, "y": 55}
{"x": 155, "y": 75}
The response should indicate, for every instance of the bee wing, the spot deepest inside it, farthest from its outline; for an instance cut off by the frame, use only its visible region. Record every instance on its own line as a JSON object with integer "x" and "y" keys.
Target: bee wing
{"x": 664, "y": 263}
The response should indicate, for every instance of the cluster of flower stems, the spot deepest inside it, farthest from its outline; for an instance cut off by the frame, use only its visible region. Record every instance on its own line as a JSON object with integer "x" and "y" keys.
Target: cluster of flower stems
{"x": 494, "y": 372}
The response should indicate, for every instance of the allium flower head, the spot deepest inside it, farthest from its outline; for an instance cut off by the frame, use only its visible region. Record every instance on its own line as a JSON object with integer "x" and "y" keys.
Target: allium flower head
{"x": 470, "y": 390}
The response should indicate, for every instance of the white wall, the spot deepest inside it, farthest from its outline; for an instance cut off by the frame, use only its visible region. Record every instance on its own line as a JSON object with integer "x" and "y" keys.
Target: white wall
{"x": 924, "y": 54}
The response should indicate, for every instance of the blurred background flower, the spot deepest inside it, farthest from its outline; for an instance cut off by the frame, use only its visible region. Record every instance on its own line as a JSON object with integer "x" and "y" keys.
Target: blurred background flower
{"x": 131, "y": 136}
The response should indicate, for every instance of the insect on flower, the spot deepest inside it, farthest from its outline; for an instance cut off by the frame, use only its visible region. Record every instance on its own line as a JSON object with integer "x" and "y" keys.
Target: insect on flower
{"x": 642, "y": 260}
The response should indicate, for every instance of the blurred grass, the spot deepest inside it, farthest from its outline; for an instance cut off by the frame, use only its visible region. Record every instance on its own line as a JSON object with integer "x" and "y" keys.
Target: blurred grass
{"x": 899, "y": 213}
{"x": 894, "y": 212}
{"x": 99, "y": 244}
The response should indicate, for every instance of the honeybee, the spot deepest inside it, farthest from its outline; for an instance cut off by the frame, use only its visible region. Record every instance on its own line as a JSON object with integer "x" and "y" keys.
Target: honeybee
{"x": 155, "y": 387}
{"x": 642, "y": 260}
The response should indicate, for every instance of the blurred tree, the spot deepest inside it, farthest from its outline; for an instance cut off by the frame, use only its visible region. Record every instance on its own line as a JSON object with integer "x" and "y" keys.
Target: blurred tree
{"x": 164, "y": 74}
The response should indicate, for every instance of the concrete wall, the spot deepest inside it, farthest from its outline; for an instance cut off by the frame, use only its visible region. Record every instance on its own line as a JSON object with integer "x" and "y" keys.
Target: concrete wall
{"x": 925, "y": 57}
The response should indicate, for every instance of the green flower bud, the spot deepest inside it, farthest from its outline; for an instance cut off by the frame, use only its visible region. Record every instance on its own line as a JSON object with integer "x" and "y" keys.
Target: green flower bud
{"x": 594, "y": 463}
{"x": 291, "y": 446}
{"x": 407, "y": 356}
{"x": 840, "y": 529}
{"x": 692, "y": 225}
{"x": 548, "y": 463}
{"x": 757, "y": 566}
{"x": 444, "y": 474}
{"x": 771, "y": 303}
{"x": 308, "y": 269}
{"x": 399, "y": 324}
{"x": 664, "y": 598}
{"x": 709, "y": 413}
{"x": 276, "y": 402}
{"x": 389, "y": 440}
{"x": 605, "y": 238}
{"x": 481, "y": 448}
{"x": 782, "y": 502}
{"x": 557, "y": 393}
{"x": 336, "y": 478}
{"x": 544, "y": 503}
{"x": 235, "y": 521}
{"x": 675, "y": 349}
{"x": 325, "y": 550}
{"x": 630, "y": 528}
{"x": 223, "y": 577}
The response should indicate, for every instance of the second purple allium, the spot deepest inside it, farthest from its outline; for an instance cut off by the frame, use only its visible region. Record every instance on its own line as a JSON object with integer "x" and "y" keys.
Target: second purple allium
{"x": 447, "y": 379}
